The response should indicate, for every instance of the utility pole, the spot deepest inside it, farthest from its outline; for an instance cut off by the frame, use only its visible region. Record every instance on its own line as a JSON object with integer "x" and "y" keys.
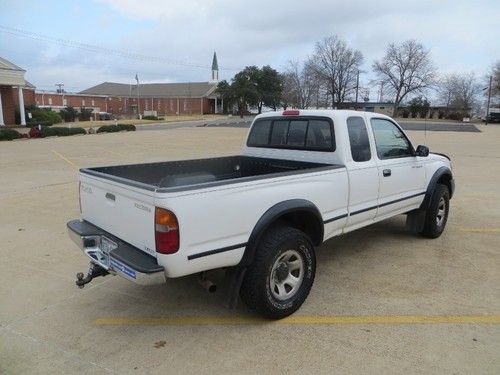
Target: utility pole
{"x": 357, "y": 88}
{"x": 60, "y": 87}
{"x": 381, "y": 95}
{"x": 61, "y": 91}
{"x": 489, "y": 98}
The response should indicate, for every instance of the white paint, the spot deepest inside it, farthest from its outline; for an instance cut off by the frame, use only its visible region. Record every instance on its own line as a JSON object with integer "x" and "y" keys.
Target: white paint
{"x": 2, "y": 123}
{"x": 221, "y": 216}
{"x": 21, "y": 106}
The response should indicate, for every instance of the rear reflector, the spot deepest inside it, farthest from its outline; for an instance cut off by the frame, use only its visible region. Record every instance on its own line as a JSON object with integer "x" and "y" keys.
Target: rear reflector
{"x": 291, "y": 112}
{"x": 166, "y": 231}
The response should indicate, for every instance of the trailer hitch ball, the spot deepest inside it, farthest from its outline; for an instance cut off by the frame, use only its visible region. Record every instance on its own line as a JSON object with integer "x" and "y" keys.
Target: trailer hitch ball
{"x": 95, "y": 270}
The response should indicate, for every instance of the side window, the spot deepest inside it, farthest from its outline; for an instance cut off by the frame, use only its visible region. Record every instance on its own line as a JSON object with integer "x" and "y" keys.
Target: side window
{"x": 358, "y": 138}
{"x": 390, "y": 141}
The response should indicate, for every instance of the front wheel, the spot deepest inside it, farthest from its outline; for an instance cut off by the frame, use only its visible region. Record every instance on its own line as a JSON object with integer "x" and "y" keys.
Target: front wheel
{"x": 281, "y": 276}
{"x": 436, "y": 215}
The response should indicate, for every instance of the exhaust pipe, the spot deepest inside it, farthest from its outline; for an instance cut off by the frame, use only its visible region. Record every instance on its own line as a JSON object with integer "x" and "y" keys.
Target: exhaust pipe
{"x": 206, "y": 284}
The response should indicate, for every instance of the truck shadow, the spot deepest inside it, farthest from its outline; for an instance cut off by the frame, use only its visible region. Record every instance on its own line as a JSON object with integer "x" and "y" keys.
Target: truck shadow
{"x": 346, "y": 254}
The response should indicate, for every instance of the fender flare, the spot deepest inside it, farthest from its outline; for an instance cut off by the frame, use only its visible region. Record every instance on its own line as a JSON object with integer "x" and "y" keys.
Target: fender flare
{"x": 442, "y": 171}
{"x": 270, "y": 217}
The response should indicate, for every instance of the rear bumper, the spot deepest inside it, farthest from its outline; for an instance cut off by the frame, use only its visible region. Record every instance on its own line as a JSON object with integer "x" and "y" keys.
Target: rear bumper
{"x": 124, "y": 260}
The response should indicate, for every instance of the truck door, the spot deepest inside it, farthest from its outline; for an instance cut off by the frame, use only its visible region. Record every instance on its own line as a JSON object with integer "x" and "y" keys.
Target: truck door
{"x": 401, "y": 173}
{"x": 363, "y": 176}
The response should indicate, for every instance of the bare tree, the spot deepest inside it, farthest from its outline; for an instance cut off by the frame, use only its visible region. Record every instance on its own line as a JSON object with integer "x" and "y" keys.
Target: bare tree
{"x": 337, "y": 66}
{"x": 405, "y": 69}
{"x": 495, "y": 72}
{"x": 459, "y": 91}
{"x": 300, "y": 84}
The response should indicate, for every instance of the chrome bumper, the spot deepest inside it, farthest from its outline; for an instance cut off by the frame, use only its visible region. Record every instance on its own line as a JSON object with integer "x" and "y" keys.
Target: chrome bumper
{"x": 119, "y": 258}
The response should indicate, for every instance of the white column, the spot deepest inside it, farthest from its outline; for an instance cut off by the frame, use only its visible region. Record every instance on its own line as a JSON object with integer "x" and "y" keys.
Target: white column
{"x": 1, "y": 111}
{"x": 215, "y": 105}
{"x": 21, "y": 106}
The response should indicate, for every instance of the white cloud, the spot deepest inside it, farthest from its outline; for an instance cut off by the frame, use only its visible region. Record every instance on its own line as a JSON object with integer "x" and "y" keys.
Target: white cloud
{"x": 462, "y": 36}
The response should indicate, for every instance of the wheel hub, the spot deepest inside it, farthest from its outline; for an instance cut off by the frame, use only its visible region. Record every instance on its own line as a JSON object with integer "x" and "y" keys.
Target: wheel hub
{"x": 281, "y": 272}
{"x": 287, "y": 275}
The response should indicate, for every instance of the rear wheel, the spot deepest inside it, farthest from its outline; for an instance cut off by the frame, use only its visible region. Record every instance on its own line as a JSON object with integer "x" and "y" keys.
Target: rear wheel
{"x": 436, "y": 215}
{"x": 281, "y": 276}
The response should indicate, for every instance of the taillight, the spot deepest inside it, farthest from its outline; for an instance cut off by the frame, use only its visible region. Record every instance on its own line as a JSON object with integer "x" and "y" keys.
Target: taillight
{"x": 291, "y": 112}
{"x": 166, "y": 231}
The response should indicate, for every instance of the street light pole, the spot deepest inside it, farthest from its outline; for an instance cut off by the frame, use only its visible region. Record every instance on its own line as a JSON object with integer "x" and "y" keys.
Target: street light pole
{"x": 489, "y": 98}
{"x": 357, "y": 88}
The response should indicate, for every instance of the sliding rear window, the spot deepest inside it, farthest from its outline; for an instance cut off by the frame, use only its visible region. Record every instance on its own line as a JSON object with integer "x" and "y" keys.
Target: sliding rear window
{"x": 313, "y": 134}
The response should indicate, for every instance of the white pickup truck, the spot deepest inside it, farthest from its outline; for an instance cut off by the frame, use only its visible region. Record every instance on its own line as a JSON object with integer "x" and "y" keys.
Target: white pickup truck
{"x": 302, "y": 177}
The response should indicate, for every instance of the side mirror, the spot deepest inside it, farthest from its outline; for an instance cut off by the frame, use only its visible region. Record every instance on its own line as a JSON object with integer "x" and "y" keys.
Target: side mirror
{"x": 422, "y": 151}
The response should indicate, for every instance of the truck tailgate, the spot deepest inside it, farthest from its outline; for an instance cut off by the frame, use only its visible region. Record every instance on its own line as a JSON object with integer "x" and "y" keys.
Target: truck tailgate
{"x": 125, "y": 212}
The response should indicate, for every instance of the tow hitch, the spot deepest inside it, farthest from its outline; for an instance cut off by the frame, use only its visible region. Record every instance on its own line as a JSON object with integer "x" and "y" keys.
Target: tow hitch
{"x": 95, "y": 270}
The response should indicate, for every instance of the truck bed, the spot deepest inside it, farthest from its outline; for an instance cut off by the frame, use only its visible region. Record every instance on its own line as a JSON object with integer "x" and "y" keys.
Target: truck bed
{"x": 182, "y": 175}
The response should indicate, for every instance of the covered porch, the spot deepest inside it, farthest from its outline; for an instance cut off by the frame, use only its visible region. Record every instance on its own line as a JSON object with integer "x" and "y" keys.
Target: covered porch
{"x": 12, "y": 93}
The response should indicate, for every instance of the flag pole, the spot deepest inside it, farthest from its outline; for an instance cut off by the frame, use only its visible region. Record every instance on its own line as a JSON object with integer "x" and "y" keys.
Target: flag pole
{"x": 138, "y": 97}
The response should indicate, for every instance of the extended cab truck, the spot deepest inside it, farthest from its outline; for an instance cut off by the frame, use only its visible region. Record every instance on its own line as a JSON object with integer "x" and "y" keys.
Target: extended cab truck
{"x": 302, "y": 178}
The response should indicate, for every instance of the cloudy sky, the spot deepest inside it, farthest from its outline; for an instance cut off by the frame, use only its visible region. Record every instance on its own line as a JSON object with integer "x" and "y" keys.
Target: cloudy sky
{"x": 176, "y": 39}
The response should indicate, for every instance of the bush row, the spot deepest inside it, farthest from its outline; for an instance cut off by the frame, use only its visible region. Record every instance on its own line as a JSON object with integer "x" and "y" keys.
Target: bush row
{"x": 116, "y": 128}
{"x": 155, "y": 118}
{"x": 9, "y": 134}
{"x": 35, "y": 132}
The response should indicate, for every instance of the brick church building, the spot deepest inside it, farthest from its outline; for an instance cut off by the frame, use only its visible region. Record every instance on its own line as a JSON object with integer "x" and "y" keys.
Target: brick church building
{"x": 118, "y": 99}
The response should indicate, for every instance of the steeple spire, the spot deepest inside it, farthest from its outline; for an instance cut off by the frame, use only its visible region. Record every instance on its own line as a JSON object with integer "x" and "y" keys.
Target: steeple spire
{"x": 215, "y": 69}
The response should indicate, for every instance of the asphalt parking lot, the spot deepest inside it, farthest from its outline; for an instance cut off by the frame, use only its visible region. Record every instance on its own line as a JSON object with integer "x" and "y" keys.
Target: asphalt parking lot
{"x": 384, "y": 301}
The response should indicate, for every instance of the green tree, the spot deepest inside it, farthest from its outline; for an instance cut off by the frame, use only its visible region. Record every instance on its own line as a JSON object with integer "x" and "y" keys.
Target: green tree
{"x": 419, "y": 106}
{"x": 244, "y": 89}
{"x": 225, "y": 91}
{"x": 269, "y": 84}
{"x": 85, "y": 114}
{"x": 68, "y": 114}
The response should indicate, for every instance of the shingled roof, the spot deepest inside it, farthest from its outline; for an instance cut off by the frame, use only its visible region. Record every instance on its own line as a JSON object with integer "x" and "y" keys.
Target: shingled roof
{"x": 156, "y": 90}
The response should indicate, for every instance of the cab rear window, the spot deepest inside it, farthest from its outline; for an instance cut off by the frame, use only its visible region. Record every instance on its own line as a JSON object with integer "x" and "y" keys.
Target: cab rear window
{"x": 314, "y": 134}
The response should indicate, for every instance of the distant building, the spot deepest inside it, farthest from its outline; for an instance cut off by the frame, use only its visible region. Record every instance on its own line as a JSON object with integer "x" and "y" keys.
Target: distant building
{"x": 15, "y": 93}
{"x": 385, "y": 108}
{"x": 123, "y": 99}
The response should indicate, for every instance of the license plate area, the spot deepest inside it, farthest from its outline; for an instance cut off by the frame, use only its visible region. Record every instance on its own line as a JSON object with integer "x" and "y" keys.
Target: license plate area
{"x": 99, "y": 252}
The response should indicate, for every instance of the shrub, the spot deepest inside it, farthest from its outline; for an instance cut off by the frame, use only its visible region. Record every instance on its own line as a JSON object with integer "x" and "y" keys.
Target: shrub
{"x": 9, "y": 134}
{"x": 149, "y": 118}
{"x": 127, "y": 127}
{"x": 35, "y": 132}
{"x": 116, "y": 128}
{"x": 61, "y": 132}
{"x": 85, "y": 114}
{"x": 69, "y": 114}
{"x": 45, "y": 115}
{"x": 108, "y": 129}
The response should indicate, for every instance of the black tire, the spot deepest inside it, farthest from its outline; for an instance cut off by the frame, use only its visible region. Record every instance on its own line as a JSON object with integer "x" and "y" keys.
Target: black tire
{"x": 433, "y": 227}
{"x": 277, "y": 244}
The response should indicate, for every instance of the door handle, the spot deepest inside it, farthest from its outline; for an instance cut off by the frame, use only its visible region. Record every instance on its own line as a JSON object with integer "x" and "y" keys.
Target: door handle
{"x": 386, "y": 172}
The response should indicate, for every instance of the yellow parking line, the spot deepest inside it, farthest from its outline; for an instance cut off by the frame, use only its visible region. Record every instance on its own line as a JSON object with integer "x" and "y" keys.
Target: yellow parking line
{"x": 64, "y": 158}
{"x": 481, "y": 230}
{"x": 326, "y": 320}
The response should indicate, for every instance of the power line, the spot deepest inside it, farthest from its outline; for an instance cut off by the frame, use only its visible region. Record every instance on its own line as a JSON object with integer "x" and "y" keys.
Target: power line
{"x": 101, "y": 49}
